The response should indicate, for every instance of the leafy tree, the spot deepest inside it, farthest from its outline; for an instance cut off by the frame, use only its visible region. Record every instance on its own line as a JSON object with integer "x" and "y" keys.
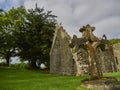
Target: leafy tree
{"x": 8, "y": 25}
{"x": 27, "y": 34}
{"x": 114, "y": 41}
{"x": 35, "y": 38}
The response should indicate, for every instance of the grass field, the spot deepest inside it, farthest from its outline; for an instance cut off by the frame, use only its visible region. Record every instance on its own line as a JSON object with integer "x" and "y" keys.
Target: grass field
{"x": 13, "y": 79}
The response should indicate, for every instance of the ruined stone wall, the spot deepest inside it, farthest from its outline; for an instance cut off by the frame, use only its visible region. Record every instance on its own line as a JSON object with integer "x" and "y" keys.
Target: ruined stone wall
{"x": 80, "y": 57}
{"x": 116, "y": 50}
{"x": 61, "y": 61}
{"x": 107, "y": 60}
{"x": 67, "y": 61}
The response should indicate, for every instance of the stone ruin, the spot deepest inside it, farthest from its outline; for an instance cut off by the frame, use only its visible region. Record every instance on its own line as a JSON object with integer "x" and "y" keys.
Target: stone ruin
{"x": 68, "y": 56}
{"x": 116, "y": 49}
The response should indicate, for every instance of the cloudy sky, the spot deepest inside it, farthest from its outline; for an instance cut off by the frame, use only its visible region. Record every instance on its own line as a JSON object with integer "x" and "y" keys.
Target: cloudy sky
{"x": 73, "y": 14}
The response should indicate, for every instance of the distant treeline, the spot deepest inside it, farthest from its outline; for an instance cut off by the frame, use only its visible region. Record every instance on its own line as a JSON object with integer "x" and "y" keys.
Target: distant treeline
{"x": 114, "y": 41}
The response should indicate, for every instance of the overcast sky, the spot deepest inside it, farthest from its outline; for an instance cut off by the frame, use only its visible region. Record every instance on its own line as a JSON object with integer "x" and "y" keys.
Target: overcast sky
{"x": 73, "y": 14}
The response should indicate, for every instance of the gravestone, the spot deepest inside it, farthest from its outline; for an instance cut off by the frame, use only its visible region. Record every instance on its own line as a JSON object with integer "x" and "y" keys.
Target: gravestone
{"x": 90, "y": 43}
{"x": 93, "y": 44}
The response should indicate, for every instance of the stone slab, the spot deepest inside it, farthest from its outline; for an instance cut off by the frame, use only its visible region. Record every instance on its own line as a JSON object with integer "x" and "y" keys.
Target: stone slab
{"x": 108, "y": 83}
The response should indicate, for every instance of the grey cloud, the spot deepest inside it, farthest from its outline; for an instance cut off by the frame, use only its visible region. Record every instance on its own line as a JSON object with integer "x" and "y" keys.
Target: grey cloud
{"x": 103, "y": 14}
{"x": 1, "y": 1}
{"x": 109, "y": 26}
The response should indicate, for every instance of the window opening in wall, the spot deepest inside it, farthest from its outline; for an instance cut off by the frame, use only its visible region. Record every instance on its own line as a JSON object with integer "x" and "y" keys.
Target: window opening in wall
{"x": 116, "y": 60}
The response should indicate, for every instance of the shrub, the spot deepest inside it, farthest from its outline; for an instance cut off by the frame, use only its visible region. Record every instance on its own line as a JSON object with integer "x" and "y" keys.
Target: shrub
{"x": 20, "y": 65}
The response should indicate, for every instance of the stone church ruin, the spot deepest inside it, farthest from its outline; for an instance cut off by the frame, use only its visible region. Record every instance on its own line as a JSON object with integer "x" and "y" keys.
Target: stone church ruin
{"x": 81, "y": 56}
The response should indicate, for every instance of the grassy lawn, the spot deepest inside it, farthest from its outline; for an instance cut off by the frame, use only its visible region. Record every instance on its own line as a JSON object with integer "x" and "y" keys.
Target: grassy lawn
{"x": 13, "y": 79}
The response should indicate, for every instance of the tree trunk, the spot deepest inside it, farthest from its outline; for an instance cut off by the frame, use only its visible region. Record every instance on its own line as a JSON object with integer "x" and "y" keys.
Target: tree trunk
{"x": 33, "y": 64}
{"x": 7, "y": 60}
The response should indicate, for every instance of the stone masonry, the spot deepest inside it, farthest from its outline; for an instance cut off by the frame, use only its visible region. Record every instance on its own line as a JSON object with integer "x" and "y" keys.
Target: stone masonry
{"x": 116, "y": 49}
{"x": 61, "y": 61}
{"x": 75, "y": 61}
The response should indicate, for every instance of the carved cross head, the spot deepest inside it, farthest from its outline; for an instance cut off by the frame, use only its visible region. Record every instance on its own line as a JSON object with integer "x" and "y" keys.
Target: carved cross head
{"x": 87, "y": 27}
{"x": 87, "y": 33}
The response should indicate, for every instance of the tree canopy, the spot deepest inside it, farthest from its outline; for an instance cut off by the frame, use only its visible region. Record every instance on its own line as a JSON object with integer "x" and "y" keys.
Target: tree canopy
{"x": 27, "y": 34}
{"x": 8, "y": 24}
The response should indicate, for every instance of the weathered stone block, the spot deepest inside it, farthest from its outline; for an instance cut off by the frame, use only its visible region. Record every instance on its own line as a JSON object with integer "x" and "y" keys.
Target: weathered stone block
{"x": 102, "y": 84}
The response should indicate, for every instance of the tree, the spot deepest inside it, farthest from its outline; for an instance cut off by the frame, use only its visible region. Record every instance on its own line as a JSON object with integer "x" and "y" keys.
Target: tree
{"x": 27, "y": 34}
{"x": 35, "y": 38}
{"x": 114, "y": 41}
{"x": 8, "y": 25}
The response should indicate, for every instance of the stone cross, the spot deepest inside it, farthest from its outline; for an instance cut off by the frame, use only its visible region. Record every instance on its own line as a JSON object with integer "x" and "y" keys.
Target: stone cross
{"x": 92, "y": 42}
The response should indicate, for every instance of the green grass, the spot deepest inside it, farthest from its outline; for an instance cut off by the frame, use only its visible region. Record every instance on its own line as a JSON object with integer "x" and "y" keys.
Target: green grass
{"x": 13, "y": 79}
